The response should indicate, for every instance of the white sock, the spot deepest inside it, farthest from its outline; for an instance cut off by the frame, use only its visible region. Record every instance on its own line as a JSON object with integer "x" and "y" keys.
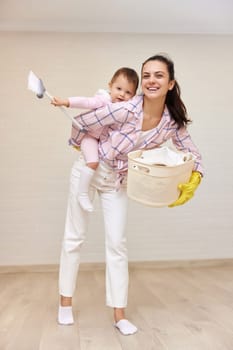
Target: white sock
{"x": 86, "y": 176}
{"x": 126, "y": 327}
{"x": 65, "y": 315}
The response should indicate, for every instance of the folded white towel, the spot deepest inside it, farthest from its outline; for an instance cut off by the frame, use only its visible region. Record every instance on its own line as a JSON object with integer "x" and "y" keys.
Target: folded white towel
{"x": 163, "y": 156}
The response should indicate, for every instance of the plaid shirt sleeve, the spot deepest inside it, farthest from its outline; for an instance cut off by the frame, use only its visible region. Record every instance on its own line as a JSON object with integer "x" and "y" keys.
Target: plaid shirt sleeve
{"x": 108, "y": 115}
{"x": 183, "y": 142}
{"x": 93, "y": 122}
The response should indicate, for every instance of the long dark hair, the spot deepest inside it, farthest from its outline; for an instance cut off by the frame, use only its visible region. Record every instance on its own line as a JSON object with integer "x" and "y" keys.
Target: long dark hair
{"x": 173, "y": 101}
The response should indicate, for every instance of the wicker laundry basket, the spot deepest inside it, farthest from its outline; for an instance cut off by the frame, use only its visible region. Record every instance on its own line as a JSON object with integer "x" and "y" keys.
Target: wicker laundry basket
{"x": 156, "y": 185}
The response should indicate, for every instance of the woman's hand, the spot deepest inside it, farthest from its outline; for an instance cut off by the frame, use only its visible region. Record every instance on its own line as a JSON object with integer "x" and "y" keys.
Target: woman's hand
{"x": 56, "y": 101}
{"x": 187, "y": 190}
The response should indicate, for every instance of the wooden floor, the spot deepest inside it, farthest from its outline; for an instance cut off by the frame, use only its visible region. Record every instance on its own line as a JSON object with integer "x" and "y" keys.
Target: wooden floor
{"x": 174, "y": 309}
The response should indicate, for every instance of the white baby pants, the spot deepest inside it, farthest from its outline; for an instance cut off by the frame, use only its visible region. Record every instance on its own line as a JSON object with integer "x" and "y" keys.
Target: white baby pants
{"x": 114, "y": 205}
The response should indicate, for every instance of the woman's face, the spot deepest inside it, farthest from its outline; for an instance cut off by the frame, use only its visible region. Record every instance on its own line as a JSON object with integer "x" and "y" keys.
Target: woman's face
{"x": 155, "y": 80}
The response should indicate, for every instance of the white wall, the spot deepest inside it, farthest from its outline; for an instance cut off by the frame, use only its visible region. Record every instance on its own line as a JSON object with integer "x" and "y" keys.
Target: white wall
{"x": 36, "y": 160}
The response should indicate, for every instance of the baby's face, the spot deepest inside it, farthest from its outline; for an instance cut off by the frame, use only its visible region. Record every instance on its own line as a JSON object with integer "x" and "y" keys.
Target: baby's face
{"x": 121, "y": 89}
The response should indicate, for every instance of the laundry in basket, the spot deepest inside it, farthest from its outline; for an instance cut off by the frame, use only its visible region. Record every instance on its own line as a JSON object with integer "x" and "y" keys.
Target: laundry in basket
{"x": 154, "y": 175}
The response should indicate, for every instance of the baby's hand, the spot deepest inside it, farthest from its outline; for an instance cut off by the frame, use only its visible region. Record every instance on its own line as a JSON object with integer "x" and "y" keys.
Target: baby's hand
{"x": 56, "y": 101}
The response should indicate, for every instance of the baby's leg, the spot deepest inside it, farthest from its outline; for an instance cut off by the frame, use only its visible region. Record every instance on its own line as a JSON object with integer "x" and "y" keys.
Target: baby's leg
{"x": 89, "y": 147}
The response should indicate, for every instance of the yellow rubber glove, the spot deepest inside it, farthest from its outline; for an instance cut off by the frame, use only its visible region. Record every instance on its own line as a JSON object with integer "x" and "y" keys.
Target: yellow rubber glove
{"x": 187, "y": 190}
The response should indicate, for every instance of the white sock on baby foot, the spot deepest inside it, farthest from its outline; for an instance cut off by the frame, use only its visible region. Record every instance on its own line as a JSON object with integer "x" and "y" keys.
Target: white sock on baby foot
{"x": 126, "y": 327}
{"x": 65, "y": 315}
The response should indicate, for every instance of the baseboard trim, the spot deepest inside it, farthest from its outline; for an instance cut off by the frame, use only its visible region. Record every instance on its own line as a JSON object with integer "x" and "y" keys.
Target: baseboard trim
{"x": 132, "y": 265}
{"x": 181, "y": 263}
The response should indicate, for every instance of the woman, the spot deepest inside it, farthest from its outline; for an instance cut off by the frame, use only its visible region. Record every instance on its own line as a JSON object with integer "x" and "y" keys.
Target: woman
{"x": 144, "y": 122}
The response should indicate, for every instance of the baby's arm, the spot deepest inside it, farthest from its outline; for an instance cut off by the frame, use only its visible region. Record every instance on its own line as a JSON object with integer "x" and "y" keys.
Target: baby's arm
{"x": 97, "y": 101}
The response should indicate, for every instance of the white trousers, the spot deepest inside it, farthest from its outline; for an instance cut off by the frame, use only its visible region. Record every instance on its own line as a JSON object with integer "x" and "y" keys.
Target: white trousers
{"x": 114, "y": 205}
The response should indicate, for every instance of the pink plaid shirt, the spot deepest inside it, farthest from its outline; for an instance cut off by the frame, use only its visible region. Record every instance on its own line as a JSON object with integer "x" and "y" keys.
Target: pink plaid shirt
{"x": 119, "y": 126}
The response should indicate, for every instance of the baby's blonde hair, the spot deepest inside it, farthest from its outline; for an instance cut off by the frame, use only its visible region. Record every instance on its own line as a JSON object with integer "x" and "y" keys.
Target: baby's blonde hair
{"x": 129, "y": 73}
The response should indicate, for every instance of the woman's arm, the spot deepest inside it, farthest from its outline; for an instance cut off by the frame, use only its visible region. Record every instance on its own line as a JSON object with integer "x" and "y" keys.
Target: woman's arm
{"x": 112, "y": 113}
{"x": 183, "y": 141}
